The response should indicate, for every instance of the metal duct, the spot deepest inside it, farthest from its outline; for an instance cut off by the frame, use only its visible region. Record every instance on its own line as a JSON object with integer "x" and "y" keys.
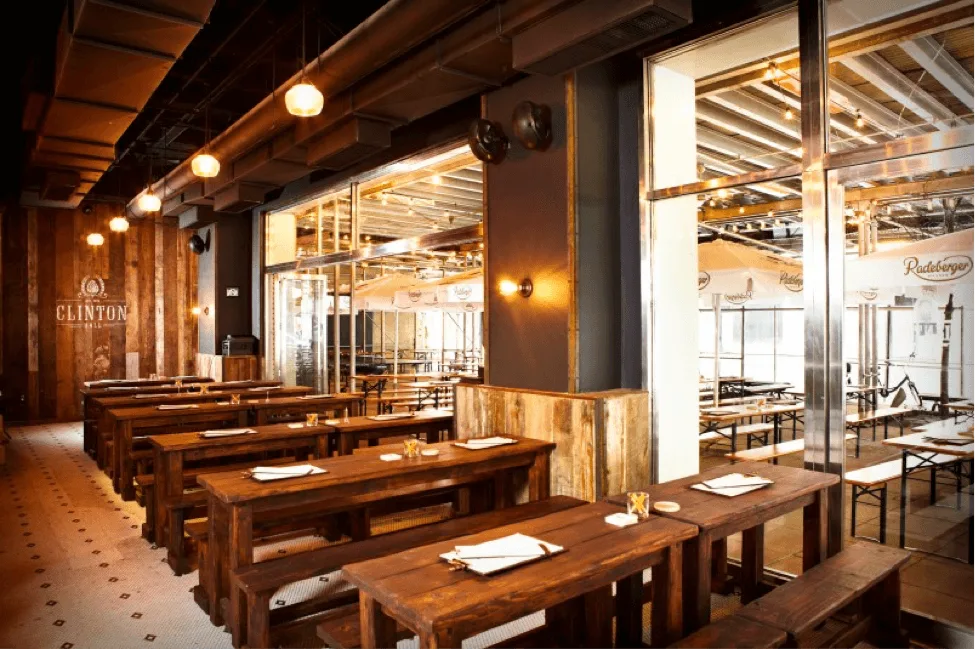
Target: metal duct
{"x": 111, "y": 56}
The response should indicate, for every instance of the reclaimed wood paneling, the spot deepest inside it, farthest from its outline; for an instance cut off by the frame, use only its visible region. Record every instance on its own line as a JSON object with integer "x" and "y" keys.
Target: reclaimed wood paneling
{"x": 602, "y": 438}
{"x": 45, "y": 250}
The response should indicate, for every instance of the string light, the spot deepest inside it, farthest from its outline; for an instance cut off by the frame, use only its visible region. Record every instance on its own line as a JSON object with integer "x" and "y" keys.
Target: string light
{"x": 436, "y": 179}
{"x": 741, "y": 210}
{"x": 860, "y": 123}
{"x": 723, "y": 193}
{"x": 789, "y": 115}
{"x": 771, "y": 71}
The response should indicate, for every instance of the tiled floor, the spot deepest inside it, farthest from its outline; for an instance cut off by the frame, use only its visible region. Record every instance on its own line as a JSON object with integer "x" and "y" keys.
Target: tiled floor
{"x": 937, "y": 587}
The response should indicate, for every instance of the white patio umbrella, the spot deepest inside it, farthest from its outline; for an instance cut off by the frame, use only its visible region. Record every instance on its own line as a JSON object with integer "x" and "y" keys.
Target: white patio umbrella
{"x": 379, "y": 294}
{"x": 462, "y": 292}
{"x": 737, "y": 274}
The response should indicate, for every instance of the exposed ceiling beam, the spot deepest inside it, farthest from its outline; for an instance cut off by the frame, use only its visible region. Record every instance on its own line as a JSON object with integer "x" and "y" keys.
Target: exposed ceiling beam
{"x": 875, "y": 69}
{"x": 932, "y": 19}
{"x": 872, "y": 111}
{"x": 758, "y": 110}
{"x": 737, "y": 124}
{"x": 932, "y": 56}
{"x": 881, "y": 192}
{"x": 839, "y": 121}
{"x": 772, "y": 189}
{"x": 740, "y": 148}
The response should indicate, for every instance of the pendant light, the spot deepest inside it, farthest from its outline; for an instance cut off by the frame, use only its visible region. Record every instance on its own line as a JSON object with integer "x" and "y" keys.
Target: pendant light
{"x": 119, "y": 224}
{"x": 95, "y": 239}
{"x": 304, "y": 99}
{"x": 149, "y": 202}
{"x": 205, "y": 165}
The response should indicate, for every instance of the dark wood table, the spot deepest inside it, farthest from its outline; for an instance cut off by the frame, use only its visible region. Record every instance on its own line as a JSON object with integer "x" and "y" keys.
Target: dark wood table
{"x": 351, "y": 482}
{"x": 273, "y": 407}
{"x": 173, "y": 453}
{"x": 92, "y": 413}
{"x": 428, "y": 423}
{"x": 417, "y": 588}
{"x": 127, "y": 423}
{"x": 718, "y": 517}
{"x": 923, "y": 447}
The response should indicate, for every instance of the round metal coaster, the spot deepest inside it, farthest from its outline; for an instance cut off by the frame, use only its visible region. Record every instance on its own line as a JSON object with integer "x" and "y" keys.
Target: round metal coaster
{"x": 666, "y": 506}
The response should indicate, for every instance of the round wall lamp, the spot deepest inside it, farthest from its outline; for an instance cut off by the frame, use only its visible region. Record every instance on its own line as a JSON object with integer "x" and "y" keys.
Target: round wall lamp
{"x": 196, "y": 310}
{"x": 506, "y": 287}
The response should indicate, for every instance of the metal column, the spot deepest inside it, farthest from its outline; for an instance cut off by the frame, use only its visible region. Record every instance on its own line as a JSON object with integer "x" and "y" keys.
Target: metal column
{"x": 823, "y": 242}
{"x": 353, "y": 245}
{"x": 336, "y": 322}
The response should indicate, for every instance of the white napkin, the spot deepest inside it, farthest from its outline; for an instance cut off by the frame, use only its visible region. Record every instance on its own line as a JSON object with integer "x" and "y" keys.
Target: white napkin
{"x": 297, "y": 425}
{"x": 177, "y": 406}
{"x": 229, "y": 432}
{"x": 392, "y": 416}
{"x": 268, "y": 473}
{"x": 500, "y": 554}
{"x": 148, "y": 396}
{"x": 262, "y": 389}
{"x": 223, "y": 403}
{"x": 622, "y": 519}
{"x": 123, "y": 387}
{"x": 484, "y": 442}
{"x": 733, "y": 484}
{"x": 315, "y": 396}
{"x": 390, "y": 457}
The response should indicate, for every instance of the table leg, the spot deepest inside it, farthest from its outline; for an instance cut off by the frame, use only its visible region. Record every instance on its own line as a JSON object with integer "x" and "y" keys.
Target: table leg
{"x": 814, "y": 522}
{"x": 377, "y": 630}
{"x": 752, "y": 562}
{"x": 629, "y": 611}
{"x": 666, "y": 611}
{"x": 696, "y": 578}
{"x": 321, "y": 446}
{"x": 240, "y": 553}
{"x": 734, "y": 436}
{"x": 126, "y": 486}
{"x": 347, "y": 442}
{"x": 538, "y": 477}
{"x": 903, "y": 504}
{"x": 216, "y": 576}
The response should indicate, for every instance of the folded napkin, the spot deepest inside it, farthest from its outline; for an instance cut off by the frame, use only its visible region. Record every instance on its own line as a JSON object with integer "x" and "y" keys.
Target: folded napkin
{"x": 122, "y": 387}
{"x": 390, "y": 457}
{"x": 720, "y": 411}
{"x": 177, "y": 406}
{"x": 273, "y": 387}
{"x": 316, "y": 396}
{"x": 148, "y": 396}
{"x": 392, "y": 416}
{"x": 268, "y": 473}
{"x": 733, "y": 484}
{"x": 229, "y": 432}
{"x": 500, "y": 554}
{"x": 484, "y": 442}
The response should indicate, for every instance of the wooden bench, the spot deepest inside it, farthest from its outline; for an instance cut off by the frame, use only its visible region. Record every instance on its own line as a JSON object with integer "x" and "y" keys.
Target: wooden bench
{"x": 863, "y": 580}
{"x": 872, "y": 481}
{"x": 734, "y": 632}
{"x": 774, "y": 451}
{"x": 258, "y": 582}
{"x": 855, "y": 421}
{"x": 750, "y": 431}
{"x": 339, "y": 628}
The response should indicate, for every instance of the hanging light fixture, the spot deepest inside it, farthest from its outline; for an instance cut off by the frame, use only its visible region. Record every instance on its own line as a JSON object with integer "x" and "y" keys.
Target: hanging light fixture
{"x": 149, "y": 202}
{"x": 789, "y": 115}
{"x": 205, "y": 165}
{"x": 95, "y": 239}
{"x": 119, "y": 224}
{"x": 860, "y": 123}
{"x": 304, "y": 99}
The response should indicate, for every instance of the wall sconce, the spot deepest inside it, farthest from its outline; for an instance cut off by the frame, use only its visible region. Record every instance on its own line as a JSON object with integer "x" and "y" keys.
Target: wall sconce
{"x": 506, "y": 287}
{"x": 196, "y": 310}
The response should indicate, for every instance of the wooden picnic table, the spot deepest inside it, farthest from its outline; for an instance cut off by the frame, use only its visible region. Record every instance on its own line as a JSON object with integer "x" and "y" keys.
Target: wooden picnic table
{"x": 164, "y": 380}
{"x": 352, "y": 482}
{"x": 734, "y": 414}
{"x": 266, "y": 410}
{"x": 91, "y": 412}
{"x": 127, "y": 423}
{"x": 918, "y": 451}
{"x": 419, "y": 590}
{"x": 376, "y": 383}
{"x": 718, "y": 517}
{"x": 175, "y": 451}
{"x": 861, "y": 418}
{"x": 428, "y": 423}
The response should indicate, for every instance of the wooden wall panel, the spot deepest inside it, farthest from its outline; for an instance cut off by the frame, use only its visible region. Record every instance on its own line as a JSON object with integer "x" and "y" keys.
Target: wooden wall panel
{"x": 602, "y": 438}
{"x": 47, "y": 361}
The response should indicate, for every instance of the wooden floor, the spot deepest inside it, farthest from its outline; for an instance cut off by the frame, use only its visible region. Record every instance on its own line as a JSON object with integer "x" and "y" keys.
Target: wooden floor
{"x": 936, "y": 587}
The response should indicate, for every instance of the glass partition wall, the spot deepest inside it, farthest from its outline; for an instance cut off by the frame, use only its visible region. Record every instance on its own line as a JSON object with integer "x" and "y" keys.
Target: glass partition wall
{"x": 813, "y": 168}
{"x": 400, "y": 247}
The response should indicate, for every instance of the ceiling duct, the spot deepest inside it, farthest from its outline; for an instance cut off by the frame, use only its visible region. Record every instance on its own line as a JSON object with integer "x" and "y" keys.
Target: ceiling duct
{"x": 351, "y": 142}
{"x": 593, "y": 30}
{"x": 111, "y": 56}
{"x": 59, "y": 185}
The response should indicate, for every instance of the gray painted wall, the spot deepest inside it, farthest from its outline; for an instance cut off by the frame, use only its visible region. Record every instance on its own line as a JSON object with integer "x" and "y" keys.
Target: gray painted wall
{"x": 226, "y": 264}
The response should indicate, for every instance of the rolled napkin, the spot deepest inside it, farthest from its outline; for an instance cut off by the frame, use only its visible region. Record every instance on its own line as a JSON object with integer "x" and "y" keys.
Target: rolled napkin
{"x": 177, "y": 406}
{"x": 268, "y": 473}
{"x": 273, "y": 387}
{"x": 229, "y": 432}
{"x": 315, "y": 396}
{"x": 392, "y": 416}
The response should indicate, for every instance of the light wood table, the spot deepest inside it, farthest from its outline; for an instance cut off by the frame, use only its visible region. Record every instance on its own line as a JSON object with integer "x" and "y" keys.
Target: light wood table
{"x": 288, "y": 408}
{"x": 419, "y": 590}
{"x": 352, "y": 482}
{"x": 718, "y": 517}
{"x": 923, "y": 446}
{"x": 734, "y": 414}
{"x": 428, "y": 423}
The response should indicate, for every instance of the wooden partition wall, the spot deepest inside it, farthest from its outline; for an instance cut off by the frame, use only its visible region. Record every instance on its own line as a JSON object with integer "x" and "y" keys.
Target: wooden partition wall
{"x": 602, "y": 438}
{"x": 73, "y": 312}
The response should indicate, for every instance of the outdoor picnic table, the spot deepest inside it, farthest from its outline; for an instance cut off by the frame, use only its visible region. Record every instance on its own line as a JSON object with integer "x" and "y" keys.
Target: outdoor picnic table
{"x": 351, "y": 482}
{"x": 376, "y": 383}
{"x": 419, "y": 590}
{"x": 718, "y": 517}
{"x": 923, "y": 446}
{"x": 855, "y": 421}
{"x": 428, "y": 423}
{"x": 266, "y": 410}
{"x": 733, "y": 414}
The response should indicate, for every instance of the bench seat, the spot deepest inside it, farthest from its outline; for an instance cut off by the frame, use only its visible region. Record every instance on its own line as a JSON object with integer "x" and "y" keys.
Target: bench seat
{"x": 774, "y": 451}
{"x": 258, "y": 582}
{"x": 734, "y": 632}
{"x": 339, "y": 629}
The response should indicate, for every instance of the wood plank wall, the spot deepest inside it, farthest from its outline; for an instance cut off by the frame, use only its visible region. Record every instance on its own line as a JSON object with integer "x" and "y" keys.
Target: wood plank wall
{"x": 602, "y": 438}
{"x": 44, "y": 259}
